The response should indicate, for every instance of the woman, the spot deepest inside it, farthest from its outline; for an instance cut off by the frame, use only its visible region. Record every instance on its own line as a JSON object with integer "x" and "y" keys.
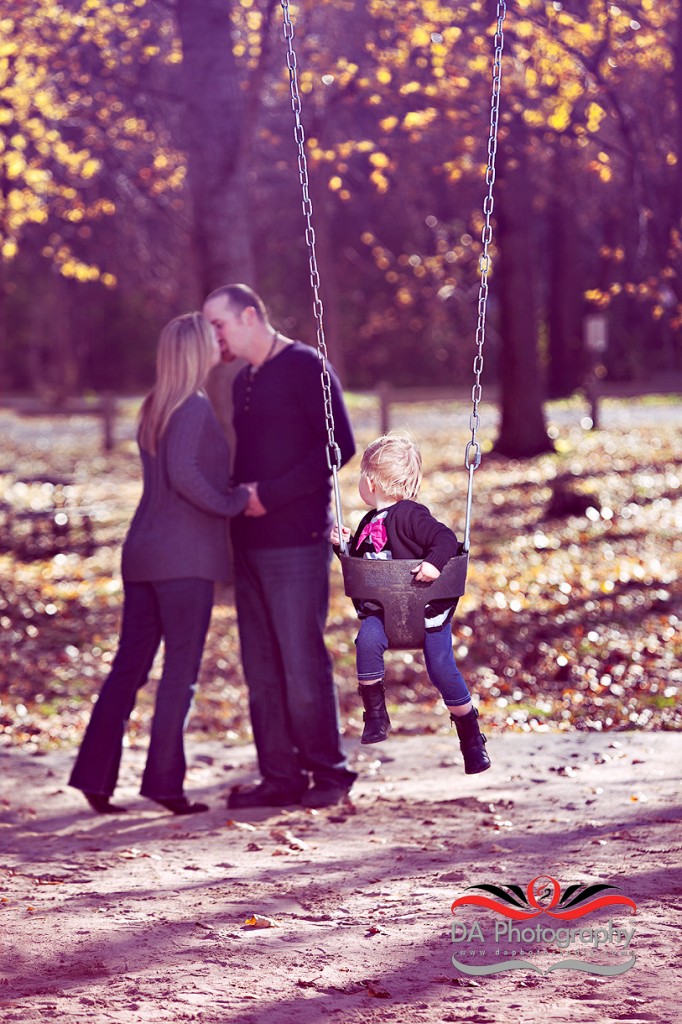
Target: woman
{"x": 174, "y": 551}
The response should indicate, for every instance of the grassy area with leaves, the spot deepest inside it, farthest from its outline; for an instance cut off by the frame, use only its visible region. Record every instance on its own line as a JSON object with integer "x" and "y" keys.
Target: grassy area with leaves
{"x": 570, "y": 621}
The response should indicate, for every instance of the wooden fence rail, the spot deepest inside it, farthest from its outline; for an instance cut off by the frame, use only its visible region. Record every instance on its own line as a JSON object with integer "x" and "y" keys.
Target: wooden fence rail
{"x": 103, "y": 407}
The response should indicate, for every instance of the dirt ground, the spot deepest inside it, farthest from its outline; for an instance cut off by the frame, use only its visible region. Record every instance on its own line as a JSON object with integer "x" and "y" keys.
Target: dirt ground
{"x": 142, "y": 917}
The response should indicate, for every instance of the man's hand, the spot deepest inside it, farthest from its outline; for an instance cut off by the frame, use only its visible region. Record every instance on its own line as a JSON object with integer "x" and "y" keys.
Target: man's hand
{"x": 254, "y": 506}
{"x": 334, "y": 535}
{"x": 425, "y": 573}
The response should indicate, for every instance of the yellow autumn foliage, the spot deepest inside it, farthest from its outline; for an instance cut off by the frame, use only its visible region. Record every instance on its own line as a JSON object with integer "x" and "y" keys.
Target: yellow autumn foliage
{"x": 46, "y": 90}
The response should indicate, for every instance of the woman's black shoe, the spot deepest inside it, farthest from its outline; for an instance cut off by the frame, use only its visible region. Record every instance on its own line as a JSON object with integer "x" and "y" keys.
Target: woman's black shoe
{"x": 102, "y": 804}
{"x": 181, "y": 805}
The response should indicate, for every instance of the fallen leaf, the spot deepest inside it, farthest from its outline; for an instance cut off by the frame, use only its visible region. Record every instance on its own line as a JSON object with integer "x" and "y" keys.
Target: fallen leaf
{"x": 375, "y": 989}
{"x": 257, "y": 921}
{"x": 286, "y": 836}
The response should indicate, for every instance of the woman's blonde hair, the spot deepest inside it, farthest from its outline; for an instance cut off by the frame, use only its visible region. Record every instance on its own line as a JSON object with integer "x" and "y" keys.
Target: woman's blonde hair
{"x": 184, "y": 359}
{"x": 394, "y": 464}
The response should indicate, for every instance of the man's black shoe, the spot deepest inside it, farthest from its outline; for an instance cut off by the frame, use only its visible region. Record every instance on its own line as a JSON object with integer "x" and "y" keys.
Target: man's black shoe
{"x": 325, "y": 796}
{"x": 263, "y": 795}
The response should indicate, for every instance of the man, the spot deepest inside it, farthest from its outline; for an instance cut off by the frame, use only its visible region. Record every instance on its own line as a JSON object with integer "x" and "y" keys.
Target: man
{"x": 282, "y": 554}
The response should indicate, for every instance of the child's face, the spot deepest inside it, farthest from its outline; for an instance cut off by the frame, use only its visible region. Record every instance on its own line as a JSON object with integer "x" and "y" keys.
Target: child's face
{"x": 367, "y": 492}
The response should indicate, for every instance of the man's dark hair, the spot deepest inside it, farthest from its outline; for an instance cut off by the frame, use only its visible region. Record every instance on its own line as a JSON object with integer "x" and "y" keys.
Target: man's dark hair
{"x": 240, "y": 297}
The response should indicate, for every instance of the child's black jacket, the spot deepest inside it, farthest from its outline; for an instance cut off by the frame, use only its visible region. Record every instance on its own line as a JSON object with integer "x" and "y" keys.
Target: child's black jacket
{"x": 414, "y": 533}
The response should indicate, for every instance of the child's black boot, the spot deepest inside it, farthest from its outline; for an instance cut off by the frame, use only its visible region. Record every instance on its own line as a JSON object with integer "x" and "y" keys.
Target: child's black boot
{"x": 472, "y": 742}
{"x": 377, "y": 722}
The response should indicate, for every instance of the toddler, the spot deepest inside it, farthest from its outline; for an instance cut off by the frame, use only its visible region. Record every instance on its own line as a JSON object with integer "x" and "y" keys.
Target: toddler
{"x": 397, "y": 526}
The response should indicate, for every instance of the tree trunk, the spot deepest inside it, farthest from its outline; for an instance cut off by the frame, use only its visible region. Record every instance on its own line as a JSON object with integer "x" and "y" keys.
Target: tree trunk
{"x": 218, "y": 130}
{"x": 326, "y": 265}
{"x": 214, "y": 126}
{"x": 677, "y": 207}
{"x": 54, "y": 364}
{"x": 5, "y": 376}
{"x": 567, "y": 363}
{"x": 523, "y": 431}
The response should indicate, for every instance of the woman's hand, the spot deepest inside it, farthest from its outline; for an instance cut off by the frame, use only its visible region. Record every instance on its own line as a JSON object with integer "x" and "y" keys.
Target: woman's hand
{"x": 255, "y": 506}
{"x": 425, "y": 573}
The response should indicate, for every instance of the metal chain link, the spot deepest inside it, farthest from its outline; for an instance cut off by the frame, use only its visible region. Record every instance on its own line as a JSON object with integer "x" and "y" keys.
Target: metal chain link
{"x": 333, "y": 450}
{"x": 472, "y": 455}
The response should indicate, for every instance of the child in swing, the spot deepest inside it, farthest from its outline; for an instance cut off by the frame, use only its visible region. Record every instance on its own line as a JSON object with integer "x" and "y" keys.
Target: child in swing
{"x": 397, "y": 526}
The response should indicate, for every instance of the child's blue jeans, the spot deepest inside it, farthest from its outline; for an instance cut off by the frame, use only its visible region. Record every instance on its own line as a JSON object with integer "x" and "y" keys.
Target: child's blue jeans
{"x": 371, "y": 644}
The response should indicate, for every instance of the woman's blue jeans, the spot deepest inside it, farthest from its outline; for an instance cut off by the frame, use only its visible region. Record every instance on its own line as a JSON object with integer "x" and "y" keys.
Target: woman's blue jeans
{"x": 371, "y": 645}
{"x": 282, "y": 597}
{"x": 179, "y": 612}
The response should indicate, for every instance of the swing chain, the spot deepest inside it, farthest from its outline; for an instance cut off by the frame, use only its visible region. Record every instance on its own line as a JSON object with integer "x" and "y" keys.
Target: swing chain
{"x": 333, "y": 450}
{"x": 472, "y": 455}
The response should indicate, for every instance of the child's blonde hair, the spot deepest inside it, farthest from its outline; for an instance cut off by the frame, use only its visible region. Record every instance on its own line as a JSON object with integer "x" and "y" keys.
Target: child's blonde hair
{"x": 394, "y": 464}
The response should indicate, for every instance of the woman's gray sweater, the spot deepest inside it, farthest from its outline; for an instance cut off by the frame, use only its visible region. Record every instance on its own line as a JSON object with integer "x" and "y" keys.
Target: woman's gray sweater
{"x": 179, "y": 529}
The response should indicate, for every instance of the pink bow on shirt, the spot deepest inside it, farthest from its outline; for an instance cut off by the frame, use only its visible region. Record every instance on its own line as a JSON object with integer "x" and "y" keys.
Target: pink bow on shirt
{"x": 376, "y": 531}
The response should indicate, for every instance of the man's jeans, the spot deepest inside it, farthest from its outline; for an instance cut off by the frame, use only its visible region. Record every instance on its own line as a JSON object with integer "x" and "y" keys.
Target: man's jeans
{"x": 178, "y": 611}
{"x": 282, "y": 599}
